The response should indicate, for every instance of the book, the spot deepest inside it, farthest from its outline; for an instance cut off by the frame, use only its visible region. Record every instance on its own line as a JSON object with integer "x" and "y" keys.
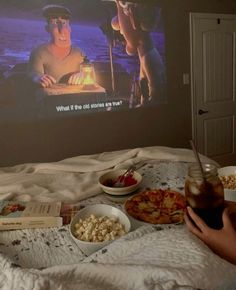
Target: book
{"x": 25, "y": 215}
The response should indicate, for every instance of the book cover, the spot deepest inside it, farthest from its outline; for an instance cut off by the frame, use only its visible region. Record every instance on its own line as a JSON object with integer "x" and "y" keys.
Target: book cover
{"x": 22, "y": 215}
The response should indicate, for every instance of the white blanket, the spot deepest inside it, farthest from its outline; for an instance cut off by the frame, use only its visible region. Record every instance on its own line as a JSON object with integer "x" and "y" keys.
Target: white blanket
{"x": 76, "y": 178}
{"x": 146, "y": 259}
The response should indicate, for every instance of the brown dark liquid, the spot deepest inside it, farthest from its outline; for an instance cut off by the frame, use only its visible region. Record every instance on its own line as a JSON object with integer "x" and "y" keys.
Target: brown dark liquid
{"x": 208, "y": 204}
{"x": 211, "y": 216}
{"x": 205, "y": 195}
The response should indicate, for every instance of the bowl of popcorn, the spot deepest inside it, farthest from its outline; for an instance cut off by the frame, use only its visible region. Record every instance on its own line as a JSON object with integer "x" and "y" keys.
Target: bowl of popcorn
{"x": 228, "y": 178}
{"x": 120, "y": 182}
{"x": 95, "y": 226}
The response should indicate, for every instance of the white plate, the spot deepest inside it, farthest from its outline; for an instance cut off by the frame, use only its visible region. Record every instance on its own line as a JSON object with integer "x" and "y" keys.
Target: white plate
{"x": 135, "y": 223}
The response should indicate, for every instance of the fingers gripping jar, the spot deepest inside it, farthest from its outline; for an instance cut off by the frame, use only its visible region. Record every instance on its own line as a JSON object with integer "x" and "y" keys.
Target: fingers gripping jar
{"x": 205, "y": 196}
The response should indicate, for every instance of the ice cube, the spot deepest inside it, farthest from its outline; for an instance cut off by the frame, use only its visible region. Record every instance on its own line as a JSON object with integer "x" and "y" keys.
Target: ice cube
{"x": 194, "y": 189}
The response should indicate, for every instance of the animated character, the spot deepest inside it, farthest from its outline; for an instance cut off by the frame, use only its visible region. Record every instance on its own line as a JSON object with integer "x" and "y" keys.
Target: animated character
{"x": 135, "y": 21}
{"x": 57, "y": 60}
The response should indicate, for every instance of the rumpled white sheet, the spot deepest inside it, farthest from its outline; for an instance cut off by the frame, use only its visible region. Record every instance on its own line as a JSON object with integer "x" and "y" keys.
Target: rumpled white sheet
{"x": 143, "y": 260}
{"x": 147, "y": 259}
{"x": 76, "y": 178}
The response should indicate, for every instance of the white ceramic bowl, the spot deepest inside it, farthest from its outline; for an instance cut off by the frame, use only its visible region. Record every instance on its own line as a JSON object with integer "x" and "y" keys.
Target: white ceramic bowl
{"x": 119, "y": 198}
{"x": 230, "y": 194}
{"x": 114, "y": 174}
{"x": 98, "y": 210}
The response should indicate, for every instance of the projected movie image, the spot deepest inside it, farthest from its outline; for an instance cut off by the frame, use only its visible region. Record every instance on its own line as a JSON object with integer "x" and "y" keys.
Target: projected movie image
{"x": 65, "y": 58}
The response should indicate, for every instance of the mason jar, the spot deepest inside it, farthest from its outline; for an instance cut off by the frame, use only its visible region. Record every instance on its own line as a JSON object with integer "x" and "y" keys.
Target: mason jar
{"x": 205, "y": 195}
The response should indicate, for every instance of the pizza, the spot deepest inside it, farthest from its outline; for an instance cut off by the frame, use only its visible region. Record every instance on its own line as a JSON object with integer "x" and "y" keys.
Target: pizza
{"x": 157, "y": 206}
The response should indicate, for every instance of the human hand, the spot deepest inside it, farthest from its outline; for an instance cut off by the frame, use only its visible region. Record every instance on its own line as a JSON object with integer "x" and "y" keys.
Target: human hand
{"x": 45, "y": 80}
{"x": 75, "y": 79}
{"x": 222, "y": 242}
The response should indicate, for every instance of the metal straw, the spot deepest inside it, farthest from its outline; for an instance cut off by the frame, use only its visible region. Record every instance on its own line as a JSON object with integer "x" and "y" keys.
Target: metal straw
{"x": 198, "y": 158}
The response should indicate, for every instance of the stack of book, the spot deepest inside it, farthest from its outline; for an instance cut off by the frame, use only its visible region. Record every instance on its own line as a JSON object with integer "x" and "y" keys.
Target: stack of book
{"x": 25, "y": 215}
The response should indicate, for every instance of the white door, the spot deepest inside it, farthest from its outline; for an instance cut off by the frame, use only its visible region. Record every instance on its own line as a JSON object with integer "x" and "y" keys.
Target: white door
{"x": 212, "y": 38}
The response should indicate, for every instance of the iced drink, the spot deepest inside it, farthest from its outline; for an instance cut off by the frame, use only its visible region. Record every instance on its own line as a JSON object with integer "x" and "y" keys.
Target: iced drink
{"x": 205, "y": 196}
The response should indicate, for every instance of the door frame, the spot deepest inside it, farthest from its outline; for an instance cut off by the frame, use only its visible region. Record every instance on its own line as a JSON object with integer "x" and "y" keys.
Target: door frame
{"x": 192, "y": 18}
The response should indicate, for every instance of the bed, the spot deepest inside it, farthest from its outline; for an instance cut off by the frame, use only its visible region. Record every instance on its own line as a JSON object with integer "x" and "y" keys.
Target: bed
{"x": 149, "y": 257}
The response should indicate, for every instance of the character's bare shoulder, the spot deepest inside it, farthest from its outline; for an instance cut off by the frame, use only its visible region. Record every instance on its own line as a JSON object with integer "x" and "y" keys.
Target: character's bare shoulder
{"x": 40, "y": 49}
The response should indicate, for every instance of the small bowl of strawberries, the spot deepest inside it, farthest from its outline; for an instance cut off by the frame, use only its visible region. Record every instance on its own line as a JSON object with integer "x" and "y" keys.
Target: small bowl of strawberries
{"x": 120, "y": 182}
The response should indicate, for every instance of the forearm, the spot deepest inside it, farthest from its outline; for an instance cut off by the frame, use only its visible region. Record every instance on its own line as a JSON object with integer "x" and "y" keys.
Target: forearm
{"x": 222, "y": 242}
{"x": 225, "y": 249}
{"x": 35, "y": 67}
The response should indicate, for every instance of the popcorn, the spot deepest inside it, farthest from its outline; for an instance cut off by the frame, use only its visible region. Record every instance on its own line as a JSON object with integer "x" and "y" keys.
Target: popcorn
{"x": 229, "y": 181}
{"x": 98, "y": 229}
